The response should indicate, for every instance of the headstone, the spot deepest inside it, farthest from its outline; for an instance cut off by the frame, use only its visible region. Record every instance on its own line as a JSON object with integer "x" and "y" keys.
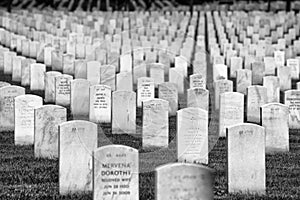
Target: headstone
{"x": 256, "y": 97}
{"x": 93, "y": 72}
{"x": 272, "y": 83}
{"x": 116, "y": 173}
{"x": 3, "y": 84}
{"x": 145, "y": 90}
{"x": 184, "y": 181}
{"x": 275, "y": 120}
{"x": 17, "y": 68}
{"x": 57, "y": 60}
{"x": 243, "y": 80}
{"x": 178, "y": 78}
{"x": 37, "y": 76}
{"x": 80, "y": 68}
{"x": 100, "y": 104}
{"x": 68, "y": 64}
{"x": 124, "y": 81}
{"x": 108, "y": 76}
{"x": 270, "y": 66}
{"x": 236, "y": 63}
{"x": 124, "y": 112}
{"x": 50, "y": 86}
{"x": 292, "y": 100}
{"x": 182, "y": 65}
{"x": 80, "y": 98}
{"x": 157, "y": 72}
{"x": 198, "y": 97}
{"x": 25, "y": 71}
{"x": 246, "y": 167}
{"x": 219, "y": 72}
{"x": 221, "y": 86}
{"x": 63, "y": 90}
{"x": 7, "y": 112}
{"x": 24, "y": 118}
{"x": 294, "y": 65}
{"x": 155, "y": 123}
{"x": 231, "y": 111}
{"x": 139, "y": 71}
{"x": 46, "y": 121}
{"x": 168, "y": 91}
{"x": 258, "y": 69}
{"x": 126, "y": 62}
{"x": 279, "y": 57}
{"x": 8, "y": 57}
{"x": 284, "y": 74}
{"x": 192, "y": 135}
{"x": 197, "y": 80}
{"x": 77, "y": 141}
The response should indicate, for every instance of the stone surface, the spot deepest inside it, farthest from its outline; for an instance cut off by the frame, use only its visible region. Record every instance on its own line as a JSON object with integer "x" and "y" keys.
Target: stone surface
{"x": 243, "y": 80}
{"x": 275, "y": 120}
{"x": 7, "y": 112}
{"x": 68, "y": 64}
{"x": 93, "y": 72}
{"x": 108, "y": 76}
{"x": 7, "y": 60}
{"x": 63, "y": 90}
{"x": 294, "y": 65}
{"x": 25, "y": 71}
{"x": 145, "y": 90}
{"x": 236, "y": 63}
{"x": 50, "y": 86}
{"x": 124, "y": 81}
{"x": 37, "y": 76}
{"x": 220, "y": 72}
{"x": 183, "y": 181}
{"x": 17, "y": 68}
{"x": 270, "y": 66}
{"x": 284, "y": 74}
{"x": 155, "y": 123}
{"x": 24, "y": 118}
{"x": 116, "y": 173}
{"x": 80, "y": 96}
{"x": 3, "y": 84}
{"x": 157, "y": 72}
{"x": 175, "y": 76}
{"x": 124, "y": 112}
{"x": 272, "y": 83}
{"x": 46, "y": 121}
{"x": 258, "y": 69}
{"x": 192, "y": 135}
{"x": 139, "y": 71}
{"x": 292, "y": 100}
{"x": 57, "y": 60}
{"x": 197, "y": 81}
{"x": 246, "y": 167}
{"x": 100, "y": 104}
{"x": 77, "y": 141}
{"x": 168, "y": 91}
{"x": 221, "y": 86}
{"x": 80, "y": 68}
{"x": 256, "y": 97}
{"x": 126, "y": 62}
{"x": 231, "y": 111}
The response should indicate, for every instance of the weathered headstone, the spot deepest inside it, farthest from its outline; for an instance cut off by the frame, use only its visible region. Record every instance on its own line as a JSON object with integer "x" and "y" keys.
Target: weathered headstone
{"x": 63, "y": 90}
{"x": 178, "y": 78}
{"x": 168, "y": 91}
{"x": 80, "y": 98}
{"x": 80, "y": 68}
{"x": 221, "y": 86}
{"x": 231, "y": 111}
{"x": 24, "y": 118}
{"x": 243, "y": 80}
{"x": 108, "y": 76}
{"x": 184, "y": 181}
{"x": 37, "y": 76}
{"x": 100, "y": 104}
{"x": 220, "y": 72}
{"x": 256, "y": 97}
{"x": 57, "y": 60}
{"x": 25, "y": 71}
{"x": 7, "y": 61}
{"x": 116, "y": 173}
{"x": 7, "y": 112}
{"x": 294, "y": 65}
{"x": 124, "y": 112}
{"x": 50, "y": 86}
{"x": 275, "y": 120}
{"x": 197, "y": 80}
{"x": 198, "y": 97}
{"x": 272, "y": 83}
{"x": 93, "y": 72}
{"x": 284, "y": 74}
{"x": 192, "y": 135}
{"x": 68, "y": 64}
{"x": 155, "y": 123}
{"x": 124, "y": 81}
{"x": 46, "y": 121}
{"x": 17, "y": 68}
{"x": 292, "y": 100}
{"x": 246, "y": 169}
{"x": 77, "y": 141}
{"x": 258, "y": 69}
